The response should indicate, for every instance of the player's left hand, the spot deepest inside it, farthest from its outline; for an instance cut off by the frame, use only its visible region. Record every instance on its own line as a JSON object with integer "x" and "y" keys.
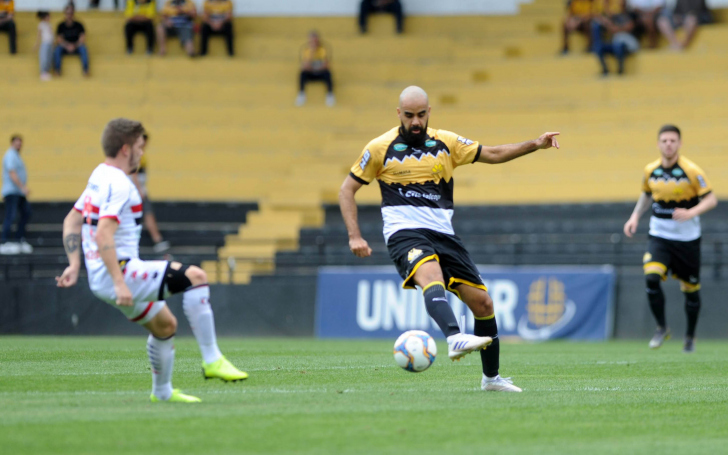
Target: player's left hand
{"x": 547, "y": 140}
{"x": 681, "y": 215}
{"x": 68, "y": 278}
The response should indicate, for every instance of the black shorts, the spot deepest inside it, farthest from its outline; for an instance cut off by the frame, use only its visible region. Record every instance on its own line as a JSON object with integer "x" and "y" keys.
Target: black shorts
{"x": 411, "y": 248}
{"x": 681, "y": 258}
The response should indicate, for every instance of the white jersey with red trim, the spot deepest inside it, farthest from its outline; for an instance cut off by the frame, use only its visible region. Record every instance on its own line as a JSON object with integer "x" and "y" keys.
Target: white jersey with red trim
{"x": 109, "y": 194}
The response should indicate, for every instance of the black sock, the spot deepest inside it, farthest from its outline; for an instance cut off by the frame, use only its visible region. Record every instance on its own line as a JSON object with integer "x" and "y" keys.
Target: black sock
{"x": 490, "y": 356}
{"x": 656, "y": 298}
{"x": 439, "y": 310}
{"x": 692, "y": 308}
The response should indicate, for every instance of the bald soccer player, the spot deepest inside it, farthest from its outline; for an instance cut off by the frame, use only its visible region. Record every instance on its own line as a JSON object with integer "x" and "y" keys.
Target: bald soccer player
{"x": 414, "y": 165}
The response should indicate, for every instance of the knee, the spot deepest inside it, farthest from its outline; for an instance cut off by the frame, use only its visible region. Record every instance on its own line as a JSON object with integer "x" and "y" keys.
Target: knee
{"x": 653, "y": 281}
{"x": 166, "y": 328}
{"x": 196, "y": 275}
{"x": 482, "y": 306}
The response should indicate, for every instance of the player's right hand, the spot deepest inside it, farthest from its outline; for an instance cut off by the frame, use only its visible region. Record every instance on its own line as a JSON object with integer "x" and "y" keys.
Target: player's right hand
{"x": 360, "y": 247}
{"x": 68, "y": 278}
{"x": 123, "y": 294}
{"x": 630, "y": 227}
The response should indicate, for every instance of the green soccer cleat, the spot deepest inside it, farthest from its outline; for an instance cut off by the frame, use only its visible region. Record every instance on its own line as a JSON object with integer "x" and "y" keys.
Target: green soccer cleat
{"x": 177, "y": 397}
{"x": 222, "y": 369}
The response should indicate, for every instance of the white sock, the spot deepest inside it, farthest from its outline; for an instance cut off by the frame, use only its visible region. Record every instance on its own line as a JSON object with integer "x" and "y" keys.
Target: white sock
{"x": 161, "y": 356}
{"x": 196, "y": 304}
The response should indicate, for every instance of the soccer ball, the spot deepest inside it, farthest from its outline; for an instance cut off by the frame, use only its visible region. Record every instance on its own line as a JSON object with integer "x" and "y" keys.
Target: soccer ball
{"x": 415, "y": 350}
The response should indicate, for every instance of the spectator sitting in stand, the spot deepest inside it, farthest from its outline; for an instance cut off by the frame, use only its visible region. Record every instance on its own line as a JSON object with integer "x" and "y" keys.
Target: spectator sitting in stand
{"x": 622, "y": 42}
{"x": 140, "y": 18}
{"x": 70, "y": 39}
{"x": 578, "y": 17}
{"x": 217, "y": 19}
{"x": 688, "y": 14}
{"x": 380, "y": 6}
{"x": 177, "y": 20}
{"x": 44, "y": 44}
{"x": 7, "y": 12}
{"x": 315, "y": 67}
{"x": 645, "y": 13}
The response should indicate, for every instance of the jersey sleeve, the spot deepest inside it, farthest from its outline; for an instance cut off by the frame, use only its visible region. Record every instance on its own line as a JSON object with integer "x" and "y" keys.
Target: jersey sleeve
{"x": 699, "y": 180}
{"x": 462, "y": 150}
{"x": 80, "y": 203}
{"x": 367, "y": 166}
{"x": 116, "y": 199}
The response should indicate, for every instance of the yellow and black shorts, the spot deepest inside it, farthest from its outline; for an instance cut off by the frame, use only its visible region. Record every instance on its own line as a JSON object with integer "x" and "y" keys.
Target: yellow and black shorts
{"x": 680, "y": 258}
{"x": 410, "y": 248}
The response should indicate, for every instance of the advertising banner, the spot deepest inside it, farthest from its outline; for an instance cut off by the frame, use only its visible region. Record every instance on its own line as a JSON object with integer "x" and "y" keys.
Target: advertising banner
{"x": 531, "y": 303}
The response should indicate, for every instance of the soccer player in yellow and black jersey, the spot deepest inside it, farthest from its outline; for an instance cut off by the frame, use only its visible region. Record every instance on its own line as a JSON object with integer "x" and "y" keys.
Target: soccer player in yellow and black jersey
{"x": 414, "y": 165}
{"x": 678, "y": 192}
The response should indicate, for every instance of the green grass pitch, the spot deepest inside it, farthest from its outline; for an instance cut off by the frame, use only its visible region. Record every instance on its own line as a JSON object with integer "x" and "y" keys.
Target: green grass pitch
{"x": 304, "y": 396}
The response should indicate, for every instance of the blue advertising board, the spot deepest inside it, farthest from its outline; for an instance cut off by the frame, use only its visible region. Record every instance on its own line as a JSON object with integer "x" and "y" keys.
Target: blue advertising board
{"x": 532, "y": 303}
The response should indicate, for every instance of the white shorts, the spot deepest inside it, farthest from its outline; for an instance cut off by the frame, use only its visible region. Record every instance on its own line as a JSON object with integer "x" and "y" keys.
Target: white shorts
{"x": 145, "y": 280}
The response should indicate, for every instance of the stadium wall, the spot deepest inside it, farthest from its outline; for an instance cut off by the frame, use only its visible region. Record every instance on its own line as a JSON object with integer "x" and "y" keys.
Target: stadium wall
{"x": 285, "y": 306}
{"x": 316, "y": 7}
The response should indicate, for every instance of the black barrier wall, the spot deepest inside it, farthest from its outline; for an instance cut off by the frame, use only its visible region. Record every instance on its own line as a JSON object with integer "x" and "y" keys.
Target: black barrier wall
{"x": 284, "y": 306}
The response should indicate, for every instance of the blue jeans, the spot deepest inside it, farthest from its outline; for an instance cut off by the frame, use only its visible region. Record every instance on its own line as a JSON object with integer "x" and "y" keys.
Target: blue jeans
{"x": 601, "y": 48}
{"x": 60, "y": 52}
{"x": 13, "y": 204}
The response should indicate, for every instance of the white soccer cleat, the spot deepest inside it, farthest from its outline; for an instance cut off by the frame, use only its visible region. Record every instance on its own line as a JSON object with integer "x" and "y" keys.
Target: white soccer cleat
{"x": 661, "y": 335}
{"x": 462, "y": 344}
{"x": 498, "y": 384}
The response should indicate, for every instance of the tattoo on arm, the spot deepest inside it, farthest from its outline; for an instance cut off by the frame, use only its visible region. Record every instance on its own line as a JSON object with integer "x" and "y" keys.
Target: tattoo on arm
{"x": 71, "y": 242}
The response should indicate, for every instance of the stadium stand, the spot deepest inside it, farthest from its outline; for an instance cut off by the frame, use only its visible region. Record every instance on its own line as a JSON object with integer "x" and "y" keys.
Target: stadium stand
{"x": 226, "y": 129}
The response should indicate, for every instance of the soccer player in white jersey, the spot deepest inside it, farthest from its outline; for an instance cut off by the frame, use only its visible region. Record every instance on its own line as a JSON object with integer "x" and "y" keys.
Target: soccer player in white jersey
{"x": 106, "y": 220}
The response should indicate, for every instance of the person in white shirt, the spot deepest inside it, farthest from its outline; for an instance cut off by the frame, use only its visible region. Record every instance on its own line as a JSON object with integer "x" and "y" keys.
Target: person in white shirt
{"x": 646, "y": 13}
{"x": 107, "y": 220}
{"x": 44, "y": 44}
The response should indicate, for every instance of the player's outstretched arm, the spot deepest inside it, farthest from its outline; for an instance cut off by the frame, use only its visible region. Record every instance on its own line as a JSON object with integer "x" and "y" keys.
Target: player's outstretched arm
{"x": 72, "y": 243}
{"x": 643, "y": 203}
{"x": 107, "y": 251}
{"x": 504, "y": 153}
{"x": 347, "y": 204}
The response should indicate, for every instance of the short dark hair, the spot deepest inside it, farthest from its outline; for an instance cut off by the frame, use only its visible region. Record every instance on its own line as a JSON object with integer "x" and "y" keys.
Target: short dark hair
{"x": 15, "y": 136}
{"x": 669, "y": 129}
{"x": 118, "y": 132}
{"x": 42, "y": 14}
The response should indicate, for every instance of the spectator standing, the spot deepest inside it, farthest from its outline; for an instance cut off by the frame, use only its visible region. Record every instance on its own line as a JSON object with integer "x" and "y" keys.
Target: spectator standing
{"x": 217, "y": 19}
{"x": 44, "y": 44}
{"x": 70, "y": 39}
{"x": 687, "y": 14}
{"x": 140, "y": 18}
{"x": 178, "y": 18}
{"x": 7, "y": 23}
{"x": 315, "y": 67}
{"x": 645, "y": 13}
{"x": 578, "y": 17}
{"x": 150, "y": 220}
{"x": 15, "y": 193}
{"x": 380, "y": 6}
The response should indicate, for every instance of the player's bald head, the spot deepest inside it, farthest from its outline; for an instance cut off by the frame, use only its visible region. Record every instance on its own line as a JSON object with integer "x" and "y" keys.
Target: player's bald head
{"x": 413, "y": 96}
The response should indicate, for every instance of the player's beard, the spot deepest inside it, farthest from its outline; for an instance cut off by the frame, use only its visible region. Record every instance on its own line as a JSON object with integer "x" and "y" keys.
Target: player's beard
{"x": 133, "y": 167}
{"x": 414, "y": 138}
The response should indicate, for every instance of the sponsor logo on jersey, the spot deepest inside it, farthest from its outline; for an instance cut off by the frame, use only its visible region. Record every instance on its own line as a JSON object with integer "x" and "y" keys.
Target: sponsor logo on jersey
{"x": 701, "y": 180}
{"x": 465, "y": 141}
{"x": 430, "y": 143}
{"x": 365, "y": 159}
{"x": 417, "y": 194}
{"x": 413, "y": 254}
{"x": 405, "y": 172}
{"x": 677, "y": 172}
{"x": 400, "y": 147}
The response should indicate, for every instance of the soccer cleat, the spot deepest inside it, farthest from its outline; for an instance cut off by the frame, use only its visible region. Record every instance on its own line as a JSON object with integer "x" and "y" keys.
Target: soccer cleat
{"x": 222, "y": 369}
{"x": 661, "y": 335}
{"x": 462, "y": 344}
{"x": 498, "y": 384}
{"x": 689, "y": 346}
{"x": 177, "y": 397}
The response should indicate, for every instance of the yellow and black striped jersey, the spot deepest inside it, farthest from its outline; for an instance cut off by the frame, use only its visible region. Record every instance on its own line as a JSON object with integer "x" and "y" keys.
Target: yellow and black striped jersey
{"x": 416, "y": 181}
{"x": 680, "y": 186}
